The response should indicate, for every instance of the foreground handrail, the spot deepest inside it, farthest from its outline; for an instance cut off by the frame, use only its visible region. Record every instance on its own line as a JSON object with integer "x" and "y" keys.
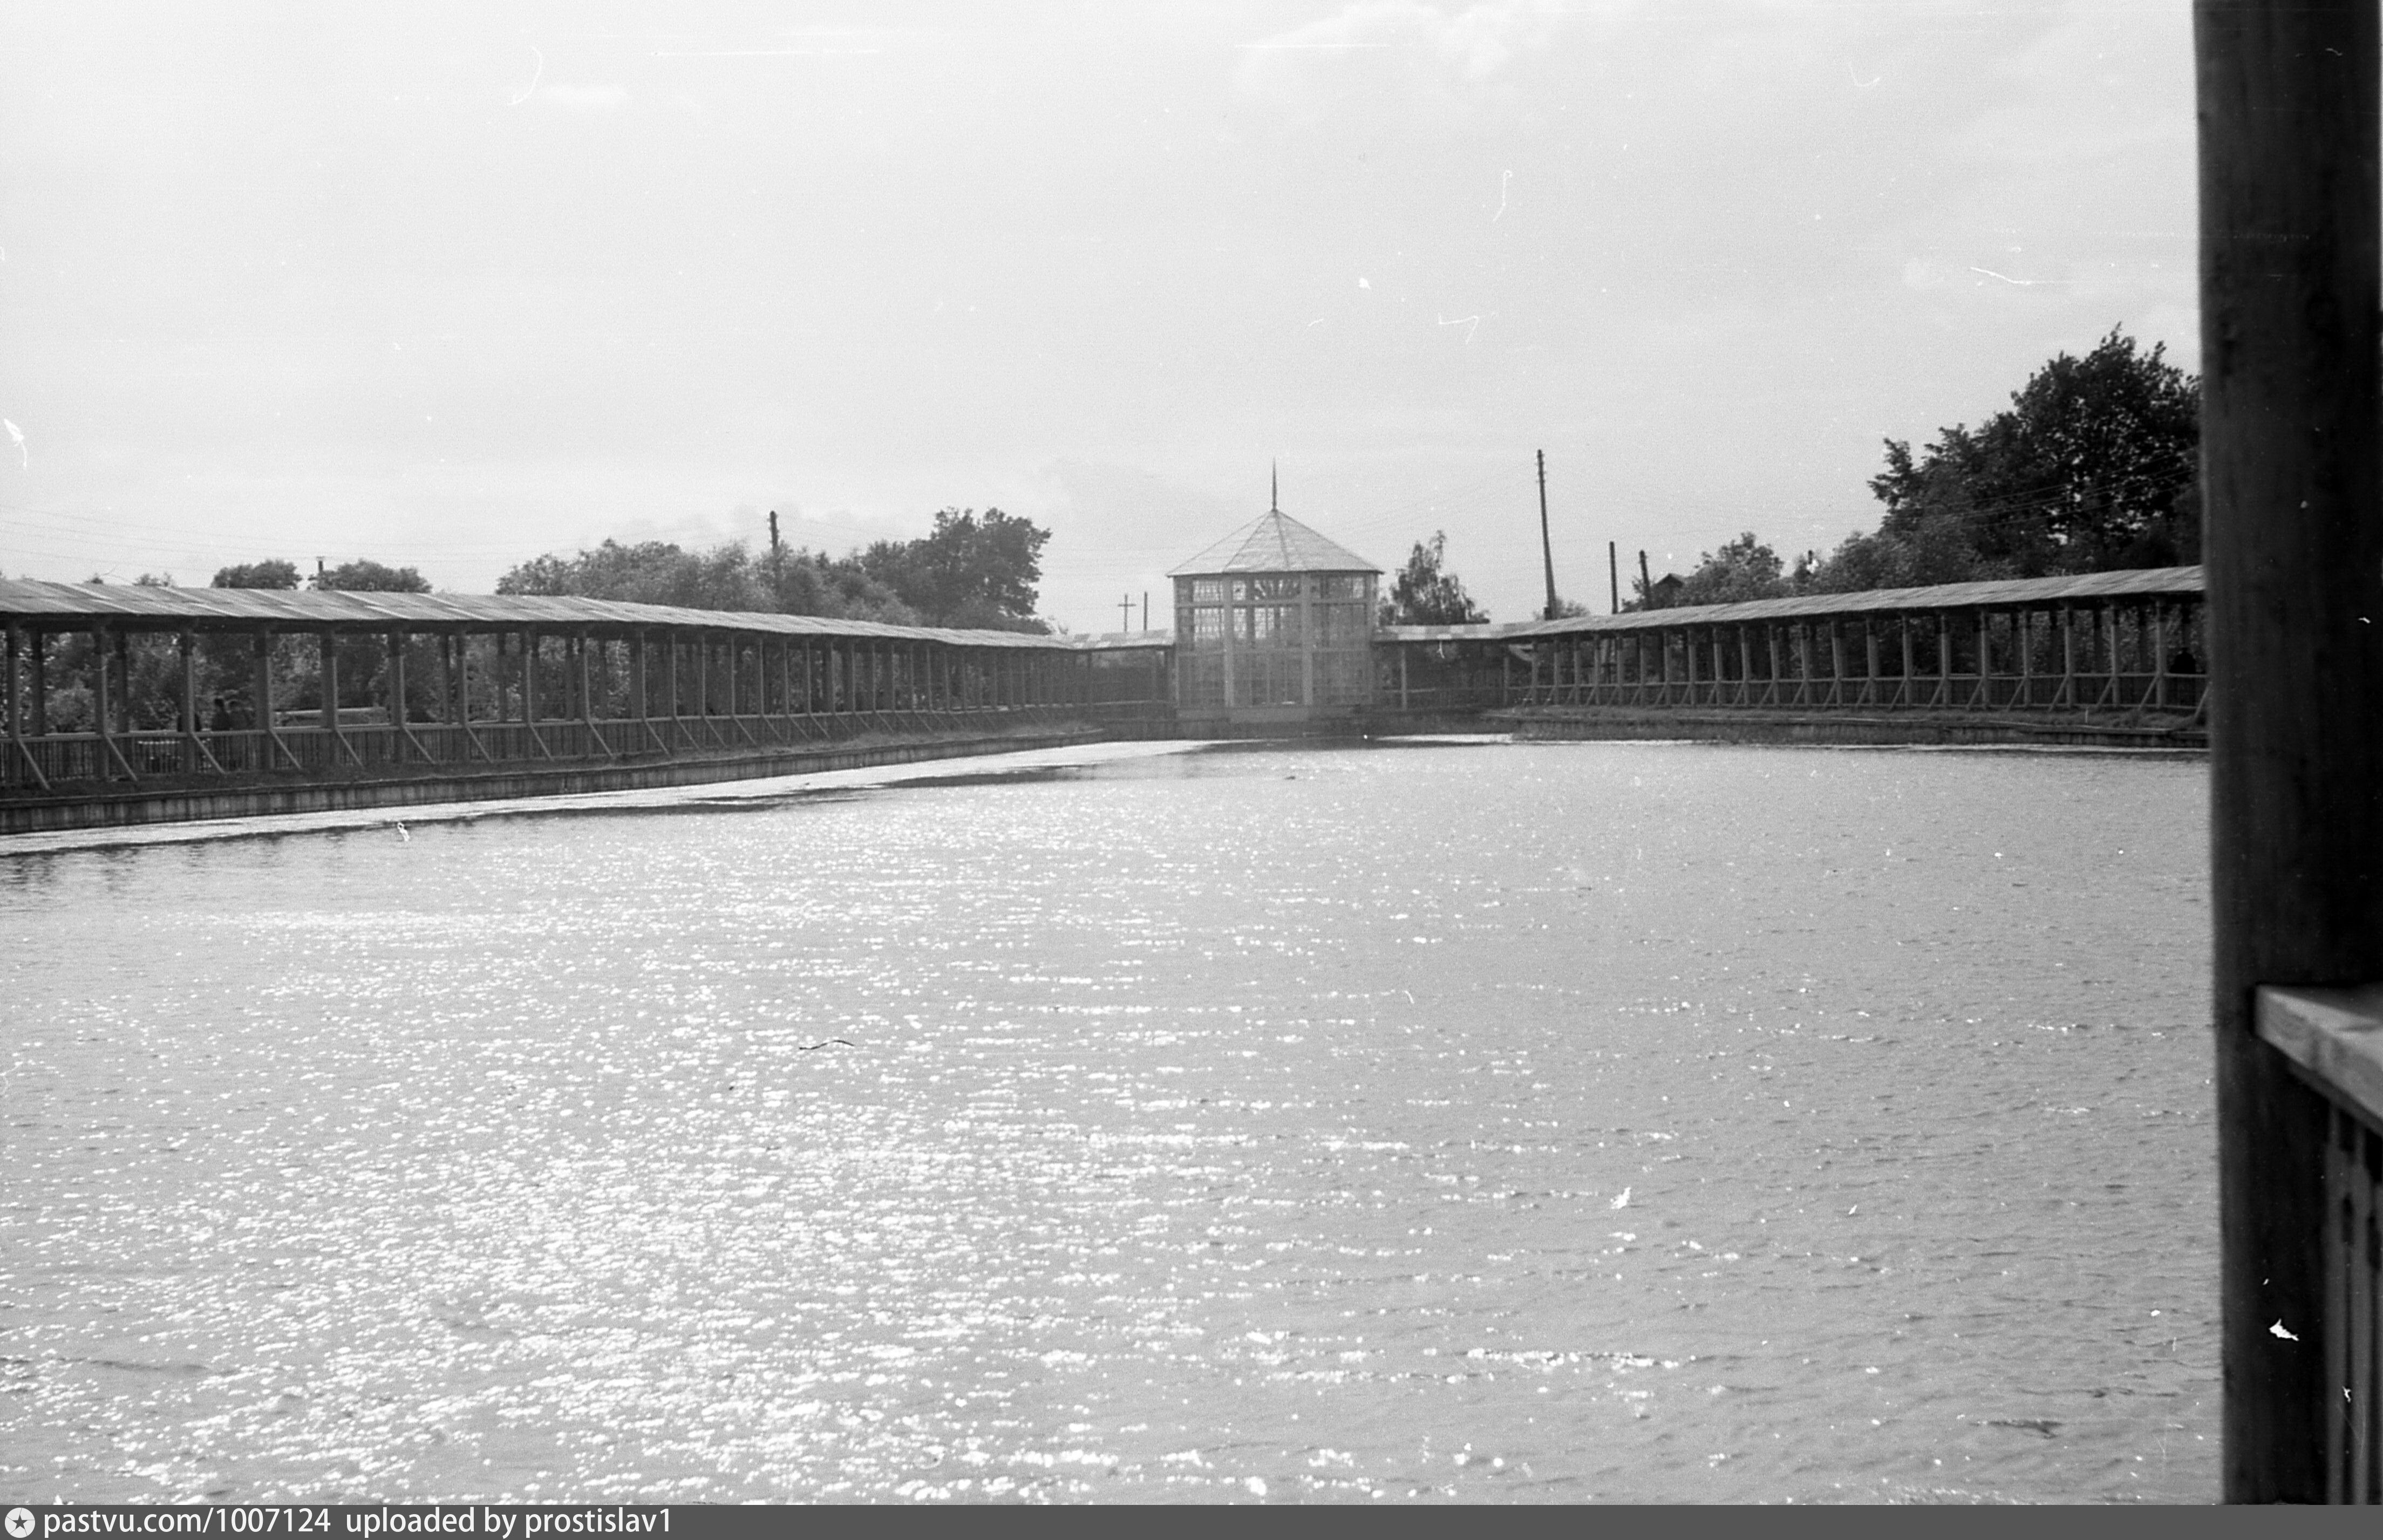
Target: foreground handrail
{"x": 2333, "y": 1038}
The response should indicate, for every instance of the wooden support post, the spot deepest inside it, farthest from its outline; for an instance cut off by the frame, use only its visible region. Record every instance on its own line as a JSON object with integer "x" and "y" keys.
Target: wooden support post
{"x": 1803, "y": 663}
{"x": 583, "y": 644}
{"x": 326, "y": 675}
{"x": 327, "y": 654}
{"x": 102, "y": 706}
{"x": 2292, "y": 477}
{"x": 530, "y": 703}
{"x": 186, "y": 696}
{"x": 22, "y": 752}
{"x": 1836, "y": 661}
{"x": 394, "y": 678}
{"x": 471, "y": 746}
{"x": 2067, "y": 696}
{"x": 260, "y": 702}
{"x": 642, "y": 678}
{"x": 2159, "y": 654}
{"x": 195, "y": 750}
{"x": 1983, "y": 695}
{"x": 1307, "y": 640}
{"x": 123, "y": 661}
{"x": 2111, "y": 691}
{"x": 744, "y": 689}
{"x": 402, "y": 728}
{"x": 37, "y": 681}
{"x": 393, "y": 688}
{"x": 2022, "y": 622}
{"x": 671, "y": 695}
{"x": 1903, "y": 692}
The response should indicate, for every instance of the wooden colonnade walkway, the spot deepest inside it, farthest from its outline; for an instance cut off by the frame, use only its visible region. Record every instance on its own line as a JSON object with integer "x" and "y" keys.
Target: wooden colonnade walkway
{"x": 2099, "y": 644}
{"x": 473, "y": 681}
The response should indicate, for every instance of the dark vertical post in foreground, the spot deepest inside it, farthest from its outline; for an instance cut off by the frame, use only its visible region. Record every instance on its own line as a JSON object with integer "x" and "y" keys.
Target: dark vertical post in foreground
{"x": 2292, "y": 478}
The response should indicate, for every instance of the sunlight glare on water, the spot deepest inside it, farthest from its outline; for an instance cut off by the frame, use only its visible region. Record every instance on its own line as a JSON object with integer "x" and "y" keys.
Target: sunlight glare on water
{"x": 1483, "y": 1121}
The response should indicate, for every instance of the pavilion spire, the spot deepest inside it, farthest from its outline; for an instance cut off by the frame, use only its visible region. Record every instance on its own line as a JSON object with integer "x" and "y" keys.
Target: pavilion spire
{"x": 1274, "y": 487}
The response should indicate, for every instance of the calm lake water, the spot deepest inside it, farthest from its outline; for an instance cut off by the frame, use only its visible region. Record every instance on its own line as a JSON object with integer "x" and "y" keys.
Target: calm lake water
{"x": 1484, "y": 1121}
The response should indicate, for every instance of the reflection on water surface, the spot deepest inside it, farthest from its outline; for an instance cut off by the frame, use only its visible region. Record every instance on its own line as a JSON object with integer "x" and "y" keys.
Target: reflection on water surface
{"x": 1489, "y": 1121}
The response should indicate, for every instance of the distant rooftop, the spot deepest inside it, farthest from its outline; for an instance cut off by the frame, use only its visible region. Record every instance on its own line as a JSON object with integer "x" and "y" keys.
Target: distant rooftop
{"x": 2076, "y": 588}
{"x": 138, "y": 607}
{"x": 1274, "y": 542}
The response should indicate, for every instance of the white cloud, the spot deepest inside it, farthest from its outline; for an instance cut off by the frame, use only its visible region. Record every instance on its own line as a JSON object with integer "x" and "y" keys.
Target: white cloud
{"x": 1470, "y": 44}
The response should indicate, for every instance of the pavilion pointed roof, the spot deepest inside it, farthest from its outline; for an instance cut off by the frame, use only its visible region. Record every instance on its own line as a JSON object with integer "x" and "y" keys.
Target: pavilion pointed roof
{"x": 1274, "y": 542}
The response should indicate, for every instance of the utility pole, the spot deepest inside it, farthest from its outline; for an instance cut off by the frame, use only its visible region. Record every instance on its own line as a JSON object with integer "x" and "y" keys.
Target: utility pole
{"x": 1646, "y": 583}
{"x": 773, "y": 544}
{"x": 1125, "y": 612}
{"x": 1145, "y": 609}
{"x": 1546, "y": 551}
{"x": 1613, "y": 574}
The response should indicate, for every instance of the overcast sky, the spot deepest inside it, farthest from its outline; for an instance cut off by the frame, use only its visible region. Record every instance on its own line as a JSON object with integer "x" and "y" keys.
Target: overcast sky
{"x": 450, "y": 287}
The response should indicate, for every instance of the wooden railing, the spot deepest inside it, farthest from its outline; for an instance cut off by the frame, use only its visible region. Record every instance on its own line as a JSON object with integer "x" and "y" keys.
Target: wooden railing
{"x": 2333, "y": 1038}
{"x": 81, "y": 758}
{"x": 1954, "y": 692}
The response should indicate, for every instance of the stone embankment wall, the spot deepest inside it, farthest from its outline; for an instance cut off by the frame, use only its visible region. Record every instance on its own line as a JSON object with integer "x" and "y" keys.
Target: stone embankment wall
{"x": 1748, "y": 726}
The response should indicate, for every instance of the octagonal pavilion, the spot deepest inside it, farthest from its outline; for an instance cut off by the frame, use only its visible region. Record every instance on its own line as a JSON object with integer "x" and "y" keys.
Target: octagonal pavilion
{"x": 1274, "y": 623}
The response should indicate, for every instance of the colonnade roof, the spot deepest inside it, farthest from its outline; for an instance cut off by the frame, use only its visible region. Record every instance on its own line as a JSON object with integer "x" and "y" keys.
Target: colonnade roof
{"x": 135, "y": 607}
{"x": 2042, "y": 593}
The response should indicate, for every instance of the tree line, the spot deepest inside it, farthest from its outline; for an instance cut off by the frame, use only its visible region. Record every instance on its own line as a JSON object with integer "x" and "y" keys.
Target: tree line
{"x": 2094, "y": 467}
{"x": 977, "y": 570}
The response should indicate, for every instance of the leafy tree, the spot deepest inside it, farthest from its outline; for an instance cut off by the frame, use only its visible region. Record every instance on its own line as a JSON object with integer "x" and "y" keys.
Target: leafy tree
{"x": 972, "y": 570}
{"x": 1421, "y": 594}
{"x": 814, "y": 583}
{"x": 364, "y": 577}
{"x": 256, "y": 574}
{"x": 978, "y": 569}
{"x": 1742, "y": 569}
{"x": 725, "y": 577}
{"x": 1662, "y": 593}
{"x": 2092, "y": 468}
{"x": 1931, "y": 548}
